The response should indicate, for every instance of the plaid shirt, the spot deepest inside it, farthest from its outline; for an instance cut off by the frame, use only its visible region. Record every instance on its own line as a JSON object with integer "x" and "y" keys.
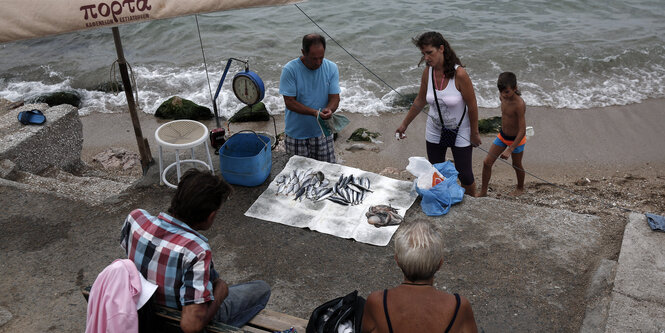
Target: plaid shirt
{"x": 172, "y": 255}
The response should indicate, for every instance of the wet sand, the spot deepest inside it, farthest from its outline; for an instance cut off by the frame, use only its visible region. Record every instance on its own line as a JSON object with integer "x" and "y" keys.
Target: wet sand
{"x": 567, "y": 145}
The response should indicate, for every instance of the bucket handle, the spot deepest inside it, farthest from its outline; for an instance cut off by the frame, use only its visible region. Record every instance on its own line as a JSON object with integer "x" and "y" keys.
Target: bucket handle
{"x": 265, "y": 144}
{"x": 274, "y": 123}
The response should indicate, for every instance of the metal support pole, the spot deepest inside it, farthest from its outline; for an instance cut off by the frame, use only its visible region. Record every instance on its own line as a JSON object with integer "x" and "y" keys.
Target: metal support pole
{"x": 144, "y": 150}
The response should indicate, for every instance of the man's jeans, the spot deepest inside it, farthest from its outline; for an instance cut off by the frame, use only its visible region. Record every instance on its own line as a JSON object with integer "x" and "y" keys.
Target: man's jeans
{"x": 244, "y": 301}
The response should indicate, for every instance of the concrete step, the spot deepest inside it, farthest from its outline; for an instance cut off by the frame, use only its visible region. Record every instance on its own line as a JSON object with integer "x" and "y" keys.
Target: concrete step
{"x": 93, "y": 190}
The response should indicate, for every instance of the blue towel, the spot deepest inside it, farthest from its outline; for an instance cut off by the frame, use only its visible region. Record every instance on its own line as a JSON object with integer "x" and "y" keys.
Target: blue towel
{"x": 656, "y": 222}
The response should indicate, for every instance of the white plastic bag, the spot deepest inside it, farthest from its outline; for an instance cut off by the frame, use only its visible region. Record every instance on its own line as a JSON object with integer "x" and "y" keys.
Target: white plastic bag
{"x": 427, "y": 175}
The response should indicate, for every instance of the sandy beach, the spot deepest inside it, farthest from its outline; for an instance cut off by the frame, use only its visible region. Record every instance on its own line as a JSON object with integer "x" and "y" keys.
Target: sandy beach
{"x": 520, "y": 274}
{"x": 600, "y": 150}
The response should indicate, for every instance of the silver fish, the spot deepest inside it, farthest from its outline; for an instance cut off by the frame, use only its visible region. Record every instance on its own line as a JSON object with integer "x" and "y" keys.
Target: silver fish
{"x": 338, "y": 200}
{"x": 324, "y": 196}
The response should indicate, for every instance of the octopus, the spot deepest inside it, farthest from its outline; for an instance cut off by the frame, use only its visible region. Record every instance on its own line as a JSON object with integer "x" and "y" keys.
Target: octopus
{"x": 383, "y": 215}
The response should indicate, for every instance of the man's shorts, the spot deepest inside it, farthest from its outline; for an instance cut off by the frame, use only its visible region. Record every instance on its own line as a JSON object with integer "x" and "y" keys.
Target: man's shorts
{"x": 320, "y": 148}
{"x": 503, "y": 142}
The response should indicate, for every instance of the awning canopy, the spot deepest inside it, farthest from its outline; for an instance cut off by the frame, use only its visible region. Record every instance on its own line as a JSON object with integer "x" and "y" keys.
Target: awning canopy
{"x": 26, "y": 19}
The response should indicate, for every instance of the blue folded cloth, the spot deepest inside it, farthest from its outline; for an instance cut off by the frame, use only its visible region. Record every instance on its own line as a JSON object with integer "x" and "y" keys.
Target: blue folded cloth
{"x": 656, "y": 222}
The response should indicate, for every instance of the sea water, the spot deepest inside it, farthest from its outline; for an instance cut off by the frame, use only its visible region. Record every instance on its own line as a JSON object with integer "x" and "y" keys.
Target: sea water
{"x": 566, "y": 54}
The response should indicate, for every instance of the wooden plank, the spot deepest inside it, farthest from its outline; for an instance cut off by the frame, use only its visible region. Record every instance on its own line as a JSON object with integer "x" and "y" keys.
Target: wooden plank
{"x": 275, "y": 321}
{"x": 169, "y": 318}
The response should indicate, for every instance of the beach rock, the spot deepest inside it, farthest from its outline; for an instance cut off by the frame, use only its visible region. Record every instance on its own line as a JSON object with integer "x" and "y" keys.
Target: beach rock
{"x": 361, "y": 146}
{"x": 256, "y": 112}
{"x": 7, "y": 169}
{"x": 5, "y": 316}
{"x": 389, "y": 171}
{"x": 363, "y": 134}
{"x": 72, "y": 98}
{"x": 117, "y": 158}
{"x": 180, "y": 108}
{"x": 582, "y": 182}
{"x": 489, "y": 125}
{"x": 109, "y": 87}
{"x": 405, "y": 100}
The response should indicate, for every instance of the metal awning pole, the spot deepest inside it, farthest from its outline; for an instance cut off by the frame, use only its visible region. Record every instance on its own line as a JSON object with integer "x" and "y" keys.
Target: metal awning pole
{"x": 144, "y": 149}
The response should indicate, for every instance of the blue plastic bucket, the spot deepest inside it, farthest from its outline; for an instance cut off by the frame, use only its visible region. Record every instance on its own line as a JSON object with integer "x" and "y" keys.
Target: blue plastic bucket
{"x": 246, "y": 159}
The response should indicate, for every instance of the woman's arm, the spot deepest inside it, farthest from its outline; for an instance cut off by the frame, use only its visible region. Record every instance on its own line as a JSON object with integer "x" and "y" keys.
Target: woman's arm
{"x": 464, "y": 85}
{"x": 418, "y": 104}
{"x": 371, "y": 305}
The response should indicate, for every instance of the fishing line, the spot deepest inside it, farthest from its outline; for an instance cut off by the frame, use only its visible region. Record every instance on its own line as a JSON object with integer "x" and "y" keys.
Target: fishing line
{"x": 205, "y": 65}
{"x": 498, "y": 158}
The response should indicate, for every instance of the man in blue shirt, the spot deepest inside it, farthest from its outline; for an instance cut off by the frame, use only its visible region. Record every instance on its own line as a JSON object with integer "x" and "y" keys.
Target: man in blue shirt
{"x": 310, "y": 86}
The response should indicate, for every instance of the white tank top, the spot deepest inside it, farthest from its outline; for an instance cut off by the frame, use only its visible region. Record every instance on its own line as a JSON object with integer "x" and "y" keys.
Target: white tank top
{"x": 452, "y": 107}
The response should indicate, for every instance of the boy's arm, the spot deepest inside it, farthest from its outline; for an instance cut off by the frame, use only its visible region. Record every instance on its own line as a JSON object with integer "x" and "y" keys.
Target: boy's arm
{"x": 520, "y": 112}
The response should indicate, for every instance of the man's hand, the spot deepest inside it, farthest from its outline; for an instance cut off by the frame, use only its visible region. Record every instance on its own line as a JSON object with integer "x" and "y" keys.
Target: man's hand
{"x": 326, "y": 113}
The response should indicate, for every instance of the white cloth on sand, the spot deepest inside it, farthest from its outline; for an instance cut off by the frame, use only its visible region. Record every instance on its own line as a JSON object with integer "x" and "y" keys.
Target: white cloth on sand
{"x": 329, "y": 217}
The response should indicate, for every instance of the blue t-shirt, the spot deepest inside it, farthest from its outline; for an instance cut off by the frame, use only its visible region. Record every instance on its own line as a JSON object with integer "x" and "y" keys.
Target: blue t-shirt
{"x": 310, "y": 88}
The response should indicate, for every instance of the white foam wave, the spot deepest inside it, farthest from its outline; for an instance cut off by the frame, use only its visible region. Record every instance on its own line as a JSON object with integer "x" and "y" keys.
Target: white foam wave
{"x": 359, "y": 93}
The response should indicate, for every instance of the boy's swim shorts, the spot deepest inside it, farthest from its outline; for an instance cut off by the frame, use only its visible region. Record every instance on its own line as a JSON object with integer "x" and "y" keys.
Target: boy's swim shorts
{"x": 504, "y": 141}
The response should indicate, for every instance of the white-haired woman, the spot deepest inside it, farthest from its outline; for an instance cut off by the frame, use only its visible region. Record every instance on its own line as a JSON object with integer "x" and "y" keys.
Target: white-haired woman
{"x": 415, "y": 305}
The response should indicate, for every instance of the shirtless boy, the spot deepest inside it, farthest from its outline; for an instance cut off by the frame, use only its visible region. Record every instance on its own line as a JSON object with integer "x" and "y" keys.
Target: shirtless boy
{"x": 511, "y": 138}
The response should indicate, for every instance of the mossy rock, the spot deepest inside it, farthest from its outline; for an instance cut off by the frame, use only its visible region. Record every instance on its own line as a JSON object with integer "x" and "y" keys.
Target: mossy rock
{"x": 256, "y": 112}
{"x": 363, "y": 134}
{"x": 489, "y": 125}
{"x": 180, "y": 108}
{"x": 109, "y": 87}
{"x": 58, "y": 98}
{"x": 405, "y": 100}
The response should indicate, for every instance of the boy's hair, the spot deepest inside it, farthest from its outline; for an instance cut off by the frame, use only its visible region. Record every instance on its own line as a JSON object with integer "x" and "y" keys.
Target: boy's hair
{"x": 507, "y": 80}
{"x": 435, "y": 39}
{"x": 312, "y": 39}
{"x": 199, "y": 193}
{"x": 419, "y": 250}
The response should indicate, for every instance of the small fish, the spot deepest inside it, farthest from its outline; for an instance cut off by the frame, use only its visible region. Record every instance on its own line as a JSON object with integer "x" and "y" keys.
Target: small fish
{"x": 324, "y": 183}
{"x": 280, "y": 179}
{"x": 354, "y": 187}
{"x": 280, "y": 188}
{"x": 324, "y": 196}
{"x": 300, "y": 192}
{"x": 338, "y": 200}
{"x": 359, "y": 188}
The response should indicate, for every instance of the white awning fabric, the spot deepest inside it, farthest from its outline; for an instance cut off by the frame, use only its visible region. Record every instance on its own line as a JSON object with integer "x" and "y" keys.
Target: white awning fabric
{"x": 26, "y": 19}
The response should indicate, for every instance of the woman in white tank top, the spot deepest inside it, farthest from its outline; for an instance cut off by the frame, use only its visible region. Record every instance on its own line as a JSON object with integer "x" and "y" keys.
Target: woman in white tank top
{"x": 455, "y": 94}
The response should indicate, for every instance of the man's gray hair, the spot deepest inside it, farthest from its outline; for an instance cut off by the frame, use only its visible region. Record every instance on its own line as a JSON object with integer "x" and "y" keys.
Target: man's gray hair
{"x": 419, "y": 250}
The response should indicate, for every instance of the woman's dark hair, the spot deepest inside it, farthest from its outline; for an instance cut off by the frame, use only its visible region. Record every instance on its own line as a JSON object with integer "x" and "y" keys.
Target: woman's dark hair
{"x": 435, "y": 39}
{"x": 312, "y": 39}
{"x": 507, "y": 80}
{"x": 199, "y": 193}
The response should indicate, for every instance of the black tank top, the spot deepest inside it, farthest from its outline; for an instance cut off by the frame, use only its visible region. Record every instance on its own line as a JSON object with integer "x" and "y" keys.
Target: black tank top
{"x": 390, "y": 326}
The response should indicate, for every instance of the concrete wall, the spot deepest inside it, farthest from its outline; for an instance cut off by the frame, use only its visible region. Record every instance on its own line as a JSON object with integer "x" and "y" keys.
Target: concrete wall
{"x": 33, "y": 148}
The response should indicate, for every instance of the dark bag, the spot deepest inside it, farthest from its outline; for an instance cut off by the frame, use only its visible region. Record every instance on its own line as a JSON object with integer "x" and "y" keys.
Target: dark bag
{"x": 448, "y": 135}
{"x": 327, "y": 317}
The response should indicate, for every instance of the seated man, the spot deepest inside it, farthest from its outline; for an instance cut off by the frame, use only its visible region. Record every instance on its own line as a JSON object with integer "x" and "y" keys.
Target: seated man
{"x": 415, "y": 305}
{"x": 169, "y": 252}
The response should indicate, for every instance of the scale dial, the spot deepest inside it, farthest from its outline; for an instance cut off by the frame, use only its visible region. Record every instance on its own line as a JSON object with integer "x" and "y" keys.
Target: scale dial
{"x": 248, "y": 87}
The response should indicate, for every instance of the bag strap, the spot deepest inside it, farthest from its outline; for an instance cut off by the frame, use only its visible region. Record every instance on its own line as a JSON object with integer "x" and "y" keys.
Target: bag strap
{"x": 439, "y": 109}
